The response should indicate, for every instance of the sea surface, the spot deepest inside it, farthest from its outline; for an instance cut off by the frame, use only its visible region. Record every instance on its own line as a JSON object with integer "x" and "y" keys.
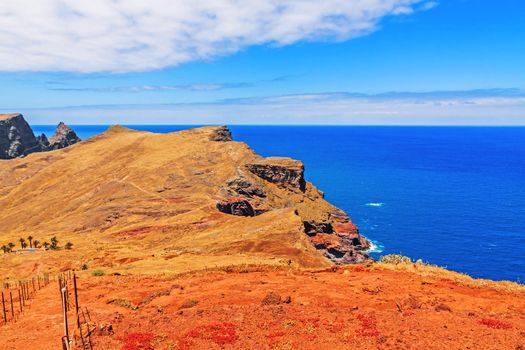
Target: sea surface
{"x": 451, "y": 196}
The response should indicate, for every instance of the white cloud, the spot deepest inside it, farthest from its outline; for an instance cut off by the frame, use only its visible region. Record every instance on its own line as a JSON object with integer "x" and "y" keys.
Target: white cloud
{"x": 141, "y": 35}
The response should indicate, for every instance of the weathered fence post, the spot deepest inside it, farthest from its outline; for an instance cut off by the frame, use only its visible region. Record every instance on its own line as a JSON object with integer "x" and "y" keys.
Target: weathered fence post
{"x": 3, "y": 307}
{"x": 12, "y": 308}
{"x": 64, "y": 310}
{"x": 20, "y": 300}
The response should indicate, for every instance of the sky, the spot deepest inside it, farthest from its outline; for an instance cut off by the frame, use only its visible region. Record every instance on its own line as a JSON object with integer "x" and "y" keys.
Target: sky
{"x": 358, "y": 62}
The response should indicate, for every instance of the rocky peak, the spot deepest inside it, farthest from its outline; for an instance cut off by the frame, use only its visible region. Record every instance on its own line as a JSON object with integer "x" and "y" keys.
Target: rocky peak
{"x": 16, "y": 137}
{"x": 64, "y": 136}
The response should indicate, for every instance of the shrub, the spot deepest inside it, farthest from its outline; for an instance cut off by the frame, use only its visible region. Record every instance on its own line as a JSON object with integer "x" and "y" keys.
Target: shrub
{"x": 98, "y": 273}
{"x": 84, "y": 267}
{"x": 395, "y": 259}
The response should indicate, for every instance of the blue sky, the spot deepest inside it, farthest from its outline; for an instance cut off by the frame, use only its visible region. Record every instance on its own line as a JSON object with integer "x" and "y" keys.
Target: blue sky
{"x": 343, "y": 62}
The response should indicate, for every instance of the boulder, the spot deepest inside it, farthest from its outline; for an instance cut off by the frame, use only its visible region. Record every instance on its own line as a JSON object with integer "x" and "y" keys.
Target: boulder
{"x": 64, "y": 136}
{"x": 16, "y": 137}
{"x": 284, "y": 172}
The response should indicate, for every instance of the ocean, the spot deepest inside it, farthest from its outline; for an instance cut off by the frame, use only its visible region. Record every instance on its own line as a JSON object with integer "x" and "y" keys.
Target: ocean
{"x": 451, "y": 196}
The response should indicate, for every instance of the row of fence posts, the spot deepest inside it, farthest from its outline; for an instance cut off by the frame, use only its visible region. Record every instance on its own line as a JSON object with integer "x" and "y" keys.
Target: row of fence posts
{"x": 16, "y": 295}
{"x": 79, "y": 338}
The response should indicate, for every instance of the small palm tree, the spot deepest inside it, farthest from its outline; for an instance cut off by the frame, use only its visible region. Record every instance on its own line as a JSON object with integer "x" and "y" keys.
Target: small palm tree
{"x": 54, "y": 243}
{"x": 4, "y": 248}
{"x": 68, "y": 245}
{"x": 35, "y": 243}
{"x": 46, "y": 245}
{"x": 22, "y": 242}
{"x": 30, "y": 239}
{"x": 10, "y": 245}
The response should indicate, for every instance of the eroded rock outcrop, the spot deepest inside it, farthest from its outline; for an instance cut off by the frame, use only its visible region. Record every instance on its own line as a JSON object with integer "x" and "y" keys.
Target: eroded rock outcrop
{"x": 16, "y": 137}
{"x": 236, "y": 206}
{"x": 222, "y": 134}
{"x": 64, "y": 136}
{"x": 281, "y": 171}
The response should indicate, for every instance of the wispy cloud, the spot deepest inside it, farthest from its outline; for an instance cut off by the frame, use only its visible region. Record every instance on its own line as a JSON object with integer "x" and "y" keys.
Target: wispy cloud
{"x": 470, "y": 107}
{"x": 130, "y": 35}
{"x": 152, "y": 88}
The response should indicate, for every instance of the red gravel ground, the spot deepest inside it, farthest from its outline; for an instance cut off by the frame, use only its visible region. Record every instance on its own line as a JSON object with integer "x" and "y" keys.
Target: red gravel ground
{"x": 350, "y": 308}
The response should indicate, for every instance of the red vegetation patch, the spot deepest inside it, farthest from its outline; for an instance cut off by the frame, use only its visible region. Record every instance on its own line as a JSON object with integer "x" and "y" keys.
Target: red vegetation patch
{"x": 368, "y": 326}
{"x": 138, "y": 341}
{"x": 496, "y": 324}
{"x": 220, "y": 333}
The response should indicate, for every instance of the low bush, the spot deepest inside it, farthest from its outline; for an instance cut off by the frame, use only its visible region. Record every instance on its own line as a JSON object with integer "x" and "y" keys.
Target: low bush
{"x": 395, "y": 259}
{"x": 98, "y": 273}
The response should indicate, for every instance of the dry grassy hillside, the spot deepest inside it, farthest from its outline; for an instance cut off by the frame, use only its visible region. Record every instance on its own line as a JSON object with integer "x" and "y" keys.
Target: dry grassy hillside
{"x": 148, "y": 203}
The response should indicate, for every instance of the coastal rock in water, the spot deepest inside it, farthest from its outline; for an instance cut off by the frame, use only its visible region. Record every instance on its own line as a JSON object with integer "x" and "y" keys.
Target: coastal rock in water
{"x": 64, "y": 136}
{"x": 16, "y": 137}
{"x": 236, "y": 206}
{"x": 285, "y": 172}
{"x": 222, "y": 134}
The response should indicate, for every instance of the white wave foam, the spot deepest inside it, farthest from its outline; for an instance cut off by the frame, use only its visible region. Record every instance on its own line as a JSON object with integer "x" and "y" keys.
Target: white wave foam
{"x": 375, "y": 204}
{"x": 375, "y": 247}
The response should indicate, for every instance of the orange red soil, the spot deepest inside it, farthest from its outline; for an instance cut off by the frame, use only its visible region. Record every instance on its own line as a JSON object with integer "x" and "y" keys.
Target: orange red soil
{"x": 345, "y": 308}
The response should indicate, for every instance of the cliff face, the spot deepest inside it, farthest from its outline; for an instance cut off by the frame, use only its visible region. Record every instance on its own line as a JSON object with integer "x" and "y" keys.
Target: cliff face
{"x": 174, "y": 202}
{"x": 17, "y": 138}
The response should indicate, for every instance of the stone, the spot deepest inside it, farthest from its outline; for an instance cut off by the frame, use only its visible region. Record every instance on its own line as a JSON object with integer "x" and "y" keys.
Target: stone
{"x": 284, "y": 172}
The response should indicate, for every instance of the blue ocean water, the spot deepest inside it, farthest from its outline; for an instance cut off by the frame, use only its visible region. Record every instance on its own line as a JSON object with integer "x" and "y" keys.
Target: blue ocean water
{"x": 452, "y": 196}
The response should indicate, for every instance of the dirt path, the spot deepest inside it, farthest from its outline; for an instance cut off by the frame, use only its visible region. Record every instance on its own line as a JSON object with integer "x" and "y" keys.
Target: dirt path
{"x": 40, "y": 323}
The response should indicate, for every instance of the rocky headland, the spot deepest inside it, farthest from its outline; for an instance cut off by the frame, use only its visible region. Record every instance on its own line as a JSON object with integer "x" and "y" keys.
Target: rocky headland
{"x": 17, "y": 138}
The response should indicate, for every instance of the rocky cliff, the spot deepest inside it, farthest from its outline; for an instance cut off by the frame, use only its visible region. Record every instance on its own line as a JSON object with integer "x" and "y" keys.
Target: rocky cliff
{"x": 17, "y": 138}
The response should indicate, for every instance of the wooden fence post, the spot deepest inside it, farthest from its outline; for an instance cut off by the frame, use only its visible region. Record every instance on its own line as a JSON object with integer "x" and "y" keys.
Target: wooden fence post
{"x": 64, "y": 310}
{"x": 3, "y": 307}
{"x": 20, "y": 300}
{"x": 12, "y": 308}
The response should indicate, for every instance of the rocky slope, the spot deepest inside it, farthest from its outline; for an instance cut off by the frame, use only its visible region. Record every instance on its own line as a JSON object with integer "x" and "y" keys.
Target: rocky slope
{"x": 17, "y": 138}
{"x": 133, "y": 200}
